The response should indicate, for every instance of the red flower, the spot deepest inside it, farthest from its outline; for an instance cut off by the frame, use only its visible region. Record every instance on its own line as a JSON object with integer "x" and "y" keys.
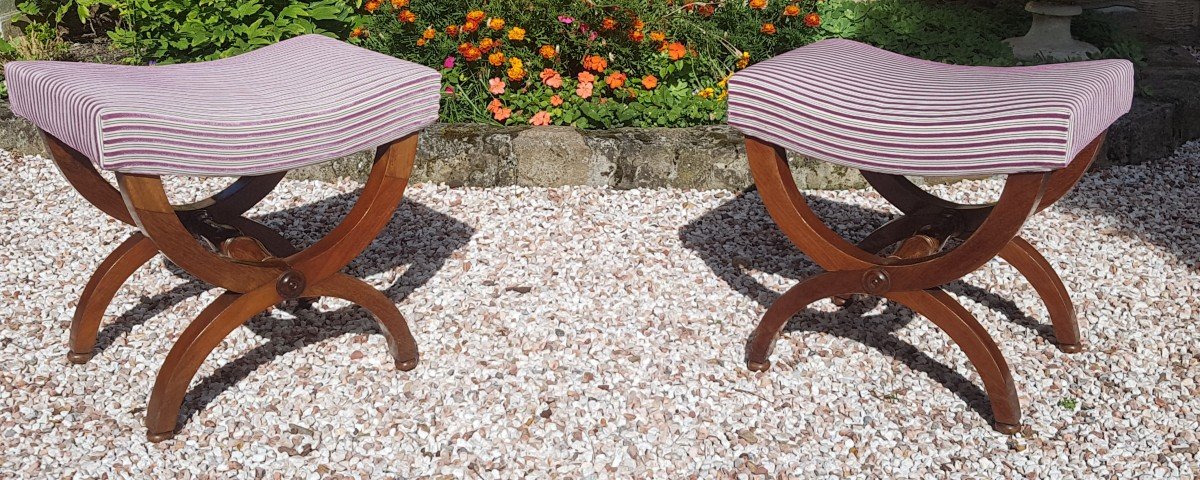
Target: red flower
{"x": 812, "y": 20}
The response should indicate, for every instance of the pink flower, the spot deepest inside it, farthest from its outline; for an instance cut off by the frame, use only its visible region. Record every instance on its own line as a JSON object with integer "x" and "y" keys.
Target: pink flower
{"x": 551, "y": 78}
{"x": 541, "y": 118}
{"x": 565, "y": 19}
{"x": 449, "y": 90}
{"x": 584, "y": 90}
{"x": 449, "y": 63}
{"x": 496, "y": 86}
{"x": 556, "y": 100}
{"x": 502, "y": 114}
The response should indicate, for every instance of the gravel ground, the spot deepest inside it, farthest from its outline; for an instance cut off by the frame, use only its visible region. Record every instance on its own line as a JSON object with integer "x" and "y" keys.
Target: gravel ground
{"x": 583, "y": 332}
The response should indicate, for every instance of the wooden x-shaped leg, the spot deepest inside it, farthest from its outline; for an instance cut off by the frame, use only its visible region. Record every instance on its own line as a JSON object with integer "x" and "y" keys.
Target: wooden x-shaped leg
{"x": 258, "y": 268}
{"x": 913, "y": 273}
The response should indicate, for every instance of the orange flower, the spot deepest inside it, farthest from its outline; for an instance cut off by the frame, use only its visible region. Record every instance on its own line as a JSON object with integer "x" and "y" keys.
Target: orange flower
{"x": 371, "y": 6}
{"x": 502, "y": 114}
{"x": 812, "y": 20}
{"x": 637, "y": 36}
{"x": 616, "y": 80}
{"x": 470, "y": 26}
{"x": 758, "y": 4}
{"x": 476, "y": 16}
{"x": 496, "y": 24}
{"x": 470, "y": 52}
{"x": 397, "y": 4}
{"x": 791, "y": 10}
{"x": 658, "y": 36}
{"x": 496, "y": 59}
{"x": 768, "y": 28}
{"x": 540, "y": 118}
{"x": 706, "y": 10}
{"x": 495, "y": 105}
{"x": 595, "y": 63}
{"x": 517, "y": 34}
{"x": 584, "y": 90}
{"x": 556, "y": 101}
{"x": 452, "y": 30}
{"x": 358, "y": 32}
{"x": 586, "y": 77}
{"x": 551, "y": 78}
{"x": 649, "y": 82}
{"x": 707, "y": 93}
{"x": 548, "y": 52}
{"x": 744, "y": 61}
{"x": 407, "y": 16}
{"x": 608, "y": 23}
{"x": 487, "y": 44}
{"x": 516, "y": 73}
{"x": 421, "y": 42}
{"x": 675, "y": 50}
{"x": 429, "y": 34}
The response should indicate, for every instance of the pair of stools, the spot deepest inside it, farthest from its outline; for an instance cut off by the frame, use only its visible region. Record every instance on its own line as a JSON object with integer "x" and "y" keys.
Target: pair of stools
{"x": 312, "y": 99}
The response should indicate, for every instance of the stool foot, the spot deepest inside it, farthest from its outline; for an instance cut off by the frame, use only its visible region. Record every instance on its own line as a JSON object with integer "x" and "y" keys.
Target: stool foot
{"x": 1070, "y": 347}
{"x": 759, "y": 366}
{"x": 842, "y": 301}
{"x": 407, "y": 365}
{"x": 79, "y": 358}
{"x": 159, "y": 437}
{"x": 1007, "y": 428}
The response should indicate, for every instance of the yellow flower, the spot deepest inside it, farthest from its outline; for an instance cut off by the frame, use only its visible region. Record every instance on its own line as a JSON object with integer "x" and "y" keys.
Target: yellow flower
{"x": 707, "y": 92}
{"x": 496, "y": 24}
{"x": 548, "y": 52}
{"x": 496, "y": 59}
{"x": 516, "y": 73}
{"x": 744, "y": 61}
{"x": 517, "y": 34}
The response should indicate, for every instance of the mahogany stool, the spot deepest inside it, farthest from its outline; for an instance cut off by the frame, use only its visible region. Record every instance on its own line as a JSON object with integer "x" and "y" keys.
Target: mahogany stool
{"x": 888, "y": 116}
{"x": 255, "y": 116}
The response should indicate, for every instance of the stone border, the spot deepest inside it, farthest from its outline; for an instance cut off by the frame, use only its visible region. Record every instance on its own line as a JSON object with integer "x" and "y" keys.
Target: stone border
{"x": 704, "y": 158}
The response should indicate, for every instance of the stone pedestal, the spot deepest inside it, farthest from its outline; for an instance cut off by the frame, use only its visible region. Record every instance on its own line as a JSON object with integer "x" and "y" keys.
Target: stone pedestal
{"x": 8, "y": 10}
{"x": 1050, "y": 35}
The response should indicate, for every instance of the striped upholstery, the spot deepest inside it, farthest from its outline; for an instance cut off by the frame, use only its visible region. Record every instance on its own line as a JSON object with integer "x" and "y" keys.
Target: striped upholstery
{"x": 299, "y": 102}
{"x": 858, "y": 106}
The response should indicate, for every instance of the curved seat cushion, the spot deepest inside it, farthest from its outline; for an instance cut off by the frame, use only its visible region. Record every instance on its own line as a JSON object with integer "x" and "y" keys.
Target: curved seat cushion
{"x": 856, "y": 105}
{"x": 299, "y": 102}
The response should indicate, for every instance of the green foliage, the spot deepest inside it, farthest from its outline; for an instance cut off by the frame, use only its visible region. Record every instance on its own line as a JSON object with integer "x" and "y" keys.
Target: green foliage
{"x": 174, "y": 31}
{"x": 1068, "y": 403}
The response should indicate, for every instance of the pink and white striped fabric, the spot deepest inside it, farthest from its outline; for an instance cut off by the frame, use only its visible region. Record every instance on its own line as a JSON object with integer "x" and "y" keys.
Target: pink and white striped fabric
{"x": 856, "y": 105}
{"x": 299, "y": 102}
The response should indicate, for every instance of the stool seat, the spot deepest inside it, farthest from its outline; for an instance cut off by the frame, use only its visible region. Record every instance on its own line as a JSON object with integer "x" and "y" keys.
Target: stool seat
{"x": 862, "y": 107}
{"x": 300, "y": 102}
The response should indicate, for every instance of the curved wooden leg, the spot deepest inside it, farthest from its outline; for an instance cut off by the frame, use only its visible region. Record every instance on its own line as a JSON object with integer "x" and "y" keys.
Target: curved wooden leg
{"x": 1038, "y": 271}
{"x": 98, "y": 294}
{"x": 227, "y": 312}
{"x": 762, "y": 340}
{"x": 950, "y": 316}
{"x": 401, "y": 344}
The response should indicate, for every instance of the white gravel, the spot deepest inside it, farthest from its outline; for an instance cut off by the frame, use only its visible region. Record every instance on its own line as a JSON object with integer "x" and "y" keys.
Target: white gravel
{"x": 623, "y": 357}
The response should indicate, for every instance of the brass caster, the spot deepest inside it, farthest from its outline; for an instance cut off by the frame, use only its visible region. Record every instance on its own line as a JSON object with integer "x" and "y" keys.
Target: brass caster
{"x": 1007, "y": 429}
{"x": 758, "y": 367}
{"x": 79, "y": 358}
{"x": 1070, "y": 347}
{"x": 407, "y": 365}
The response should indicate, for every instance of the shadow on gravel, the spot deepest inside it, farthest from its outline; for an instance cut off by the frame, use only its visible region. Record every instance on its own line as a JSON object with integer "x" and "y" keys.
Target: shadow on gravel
{"x": 740, "y": 237}
{"x": 417, "y": 237}
{"x": 1160, "y": 209}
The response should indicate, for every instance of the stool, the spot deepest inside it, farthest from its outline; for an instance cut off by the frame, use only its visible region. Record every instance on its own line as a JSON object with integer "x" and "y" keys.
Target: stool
{"x": 254, "y": 116}
{"x": 888, "y": 116}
